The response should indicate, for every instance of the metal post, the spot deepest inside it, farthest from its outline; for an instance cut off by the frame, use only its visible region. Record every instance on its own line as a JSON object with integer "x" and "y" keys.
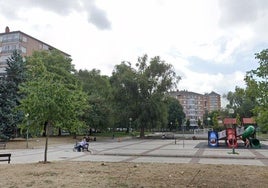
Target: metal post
{"x": 130, "y": 119}
{"x": 27, "y": 132}
{"x": 183, "y": 136}
{"x": 27, "y": 136}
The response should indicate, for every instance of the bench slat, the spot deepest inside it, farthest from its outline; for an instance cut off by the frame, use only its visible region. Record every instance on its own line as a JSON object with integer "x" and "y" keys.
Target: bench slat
{"x": 7, "y": 155}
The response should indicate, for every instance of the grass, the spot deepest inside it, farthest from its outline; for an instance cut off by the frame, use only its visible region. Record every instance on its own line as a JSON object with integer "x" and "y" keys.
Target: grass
{"x": 116, "y": 134}
{"x": 262, "y": 136}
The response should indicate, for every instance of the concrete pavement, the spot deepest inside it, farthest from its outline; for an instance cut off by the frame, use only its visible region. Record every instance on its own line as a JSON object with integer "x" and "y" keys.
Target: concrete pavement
{"x": 147, "y": 150}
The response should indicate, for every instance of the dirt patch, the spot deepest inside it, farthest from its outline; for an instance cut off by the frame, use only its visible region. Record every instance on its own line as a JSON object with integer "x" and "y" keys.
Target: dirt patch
{"x": 21, "y": 143}
{"x": 98, "y": 174}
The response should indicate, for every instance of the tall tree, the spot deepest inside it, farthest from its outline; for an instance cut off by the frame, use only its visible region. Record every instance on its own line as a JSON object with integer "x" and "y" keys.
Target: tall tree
{"x": 175, "y": 112}
{"x": 141, "y": 91}
{"x": 98, "y": 89}
{"x": 241, "y": 102}
{"x": 257, "y": 87}
{"x": 9, "y": 96}
{"x": 53, "y": 96}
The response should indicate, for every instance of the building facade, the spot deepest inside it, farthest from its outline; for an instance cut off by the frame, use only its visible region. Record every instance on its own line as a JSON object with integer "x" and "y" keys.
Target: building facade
{"x": 195, "y": 105}
{"x": 25, "y": 44}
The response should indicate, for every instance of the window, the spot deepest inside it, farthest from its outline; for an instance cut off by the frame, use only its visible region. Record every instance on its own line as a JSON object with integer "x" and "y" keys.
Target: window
{"x": 24, "y": 39}
{"x": 45, "y": 47}
{"x": 3, "y": 58}
{"x": 23, "y": 49}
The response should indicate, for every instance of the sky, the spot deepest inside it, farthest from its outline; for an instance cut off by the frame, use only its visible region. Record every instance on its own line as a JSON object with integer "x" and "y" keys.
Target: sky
{"x": 210, "y": 43}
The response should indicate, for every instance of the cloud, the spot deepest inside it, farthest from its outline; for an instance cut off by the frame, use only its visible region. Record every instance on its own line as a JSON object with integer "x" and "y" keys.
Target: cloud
{"x": 96, "y": 16}
{"x": 241, "y": 11}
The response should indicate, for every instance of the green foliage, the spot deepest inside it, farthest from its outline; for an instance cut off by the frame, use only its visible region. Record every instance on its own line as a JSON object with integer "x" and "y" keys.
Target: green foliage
{"x": 238, "y": 120}
{"x": 175, "y": 113}
{"x": 53, "y": 94}
{"x": 9, "y": 96}
{"x": 199, "y": 123}
{"x": 98, "y": 89}
{"x": 257, "y": 88}
{"x": 139, "y": 93}
{"x": 188, "y": 124}
{"x": 241, "y": 101}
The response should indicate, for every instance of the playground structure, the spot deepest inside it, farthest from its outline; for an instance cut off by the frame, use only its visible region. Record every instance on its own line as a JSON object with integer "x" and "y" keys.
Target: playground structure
{"x": 232, "y": 134}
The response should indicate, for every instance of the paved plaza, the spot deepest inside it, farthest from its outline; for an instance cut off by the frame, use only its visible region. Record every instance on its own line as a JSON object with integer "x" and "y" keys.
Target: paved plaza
{"x": 146, "y": 150}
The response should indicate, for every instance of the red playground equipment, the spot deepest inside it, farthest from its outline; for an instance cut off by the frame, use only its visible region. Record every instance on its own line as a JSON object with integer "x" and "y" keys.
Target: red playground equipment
{"x": 231, "y": 139}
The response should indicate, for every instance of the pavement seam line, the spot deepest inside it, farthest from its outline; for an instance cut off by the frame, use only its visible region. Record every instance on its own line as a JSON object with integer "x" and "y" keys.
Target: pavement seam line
{"x": 144, "y": 153}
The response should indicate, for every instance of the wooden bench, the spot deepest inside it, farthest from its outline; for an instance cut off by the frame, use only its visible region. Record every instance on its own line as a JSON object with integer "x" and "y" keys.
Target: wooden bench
{"x": 2, "y": 145}
{"x": 6, "y": 157}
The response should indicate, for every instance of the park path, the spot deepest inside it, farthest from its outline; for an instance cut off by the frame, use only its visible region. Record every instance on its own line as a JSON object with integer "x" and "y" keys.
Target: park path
{"x": 147, "y": 150}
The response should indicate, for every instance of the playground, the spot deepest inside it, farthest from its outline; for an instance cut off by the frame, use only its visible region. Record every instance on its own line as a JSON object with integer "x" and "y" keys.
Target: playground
{"x": 234, "y": 136}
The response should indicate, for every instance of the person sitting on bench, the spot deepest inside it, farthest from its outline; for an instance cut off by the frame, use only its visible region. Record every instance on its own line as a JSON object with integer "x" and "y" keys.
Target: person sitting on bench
{"x": 82, "y": 145}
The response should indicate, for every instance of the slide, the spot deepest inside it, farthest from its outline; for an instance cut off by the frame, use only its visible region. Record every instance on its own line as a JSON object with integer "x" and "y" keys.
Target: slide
{"x": 231, "y": 138}
{"x": 248, "y": 133}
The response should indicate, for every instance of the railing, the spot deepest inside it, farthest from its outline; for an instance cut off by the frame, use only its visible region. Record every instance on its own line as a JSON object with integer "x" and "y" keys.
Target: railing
{"x": 202, "y": 131}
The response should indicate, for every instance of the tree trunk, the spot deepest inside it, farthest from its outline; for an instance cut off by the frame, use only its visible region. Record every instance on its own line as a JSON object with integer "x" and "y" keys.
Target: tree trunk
{"x": 47, "y": 124}
{"x": 59, "y": 131}
{"x": 45, "y": 129}
{"x": 142, "y": 132}
{"x": 45, "y": 155}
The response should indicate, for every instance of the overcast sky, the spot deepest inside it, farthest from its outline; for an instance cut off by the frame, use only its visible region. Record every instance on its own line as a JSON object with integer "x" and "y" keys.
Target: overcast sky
{"x": 210, "y": 43}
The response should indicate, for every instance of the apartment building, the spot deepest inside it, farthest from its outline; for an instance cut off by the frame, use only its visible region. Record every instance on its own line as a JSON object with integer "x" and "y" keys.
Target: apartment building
{"x": 212, "y": 101}
{"x": 195, "y": 105}
{"x": 24, "y": 43}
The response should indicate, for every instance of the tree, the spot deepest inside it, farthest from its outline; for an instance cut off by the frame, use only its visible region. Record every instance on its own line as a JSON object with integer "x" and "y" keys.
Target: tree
{"x": 140, "y": 92}
{"x": 238, "y": 119}
{"x": 98, "y": 89}
{"x": 257, "y": 88}
{"x": 53, "y": 96}
{"x": 241, "y": 102}
{"x": 188, "y": 124}
{"x": 175, "y": 112}
{"x": 215, "y": 115}
{"x": 9, "y": 96}
{"x": 199, "y": 123}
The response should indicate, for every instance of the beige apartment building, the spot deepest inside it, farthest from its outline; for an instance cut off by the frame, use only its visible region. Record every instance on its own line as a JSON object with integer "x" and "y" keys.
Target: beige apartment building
{"x": 25, "y": 44}
{"x": 195, "y": 105}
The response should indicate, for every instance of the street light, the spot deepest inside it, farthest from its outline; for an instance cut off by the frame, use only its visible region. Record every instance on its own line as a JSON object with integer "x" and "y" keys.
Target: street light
{"x": 208, "y": 121}
{"x": 231, "y": 111}
{"x": 130, "y": 120}
{"x": 27, "y": 133}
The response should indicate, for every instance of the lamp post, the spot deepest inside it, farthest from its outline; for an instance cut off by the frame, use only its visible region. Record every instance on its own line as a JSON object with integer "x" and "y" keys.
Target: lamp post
{"x": 208, "y": 121}
{"x": 130, "y": 120}
{"x": 27, "y": 132}
{"x": 231, "y": 111}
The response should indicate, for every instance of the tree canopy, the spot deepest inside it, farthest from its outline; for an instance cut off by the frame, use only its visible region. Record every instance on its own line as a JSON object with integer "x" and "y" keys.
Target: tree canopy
{"x": 257, "y": 88}
{"x": 9, "y": 96}
{"x": 98, "y": 89}
{"x": 139, "y": 92}
{"x": 176, "y": 115}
